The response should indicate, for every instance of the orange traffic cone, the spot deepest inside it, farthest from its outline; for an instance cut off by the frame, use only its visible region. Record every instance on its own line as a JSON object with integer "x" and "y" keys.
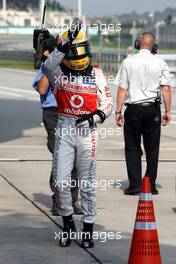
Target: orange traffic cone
{"x": 145, "y": 245}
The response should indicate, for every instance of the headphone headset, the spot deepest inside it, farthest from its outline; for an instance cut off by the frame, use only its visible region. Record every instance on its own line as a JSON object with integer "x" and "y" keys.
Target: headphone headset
{"x": 137, "y": 43}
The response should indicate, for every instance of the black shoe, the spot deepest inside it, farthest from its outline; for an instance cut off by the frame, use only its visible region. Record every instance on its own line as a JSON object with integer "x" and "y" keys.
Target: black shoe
{"x": 88, "y": 244}
{"x": 68, "y": 234}
{"x": 129, "y": 191}
{"x": 54, "y": 209}
{"x": 87, "y": 236}
{"x": 155, "y": 191}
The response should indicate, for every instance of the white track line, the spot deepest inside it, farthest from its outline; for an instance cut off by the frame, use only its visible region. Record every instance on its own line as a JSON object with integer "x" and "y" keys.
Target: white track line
{"x": 19, "y": 71}
{"x": 100, "y": 148}
{"x": 49, "y": 160}
{"x": 18, "y": 93}
{"x": 12, "y": 96}
{"x": 7, "y": 88}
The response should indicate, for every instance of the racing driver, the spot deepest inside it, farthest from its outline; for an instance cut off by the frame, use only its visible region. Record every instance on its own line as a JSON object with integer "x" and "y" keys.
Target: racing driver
{"x": 83, "y": 102}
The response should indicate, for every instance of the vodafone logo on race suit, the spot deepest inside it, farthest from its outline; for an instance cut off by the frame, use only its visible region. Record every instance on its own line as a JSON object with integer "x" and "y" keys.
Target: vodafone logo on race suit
{"x": 75, "y": 112}
{"x": 77, "y": 101}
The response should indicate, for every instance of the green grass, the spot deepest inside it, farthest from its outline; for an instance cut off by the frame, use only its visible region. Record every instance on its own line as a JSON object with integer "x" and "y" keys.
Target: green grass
{"x": 168, "y": 50}
{"x": 22, "y": 65}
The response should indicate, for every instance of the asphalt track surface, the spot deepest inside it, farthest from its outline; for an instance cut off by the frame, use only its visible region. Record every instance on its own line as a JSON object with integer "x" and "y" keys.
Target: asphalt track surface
{"x": 27, "y": 226}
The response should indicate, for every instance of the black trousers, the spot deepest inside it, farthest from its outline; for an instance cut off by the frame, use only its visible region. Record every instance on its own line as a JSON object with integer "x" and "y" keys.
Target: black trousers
{"x": 50, "y": 118}
{"x": 141, "y": 121}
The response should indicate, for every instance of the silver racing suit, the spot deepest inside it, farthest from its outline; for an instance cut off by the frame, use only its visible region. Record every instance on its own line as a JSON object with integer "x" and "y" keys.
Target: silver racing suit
{"x": 75, "y": 144}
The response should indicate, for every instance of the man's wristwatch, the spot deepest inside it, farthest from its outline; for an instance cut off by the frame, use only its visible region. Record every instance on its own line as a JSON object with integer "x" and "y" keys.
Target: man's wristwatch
{"x": 118, "y": 113}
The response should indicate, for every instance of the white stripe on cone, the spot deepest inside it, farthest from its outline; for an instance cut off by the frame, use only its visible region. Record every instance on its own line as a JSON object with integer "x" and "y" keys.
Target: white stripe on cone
{"x": 145, "y": 226}
{"x": 145, "y": 197}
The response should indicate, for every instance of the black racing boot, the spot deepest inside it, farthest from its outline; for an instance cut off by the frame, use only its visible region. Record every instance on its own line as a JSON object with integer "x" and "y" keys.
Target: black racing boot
{"x": 69, "y": 231}
{"x": 87, "y": 236}
{"x": 54, "y": 209}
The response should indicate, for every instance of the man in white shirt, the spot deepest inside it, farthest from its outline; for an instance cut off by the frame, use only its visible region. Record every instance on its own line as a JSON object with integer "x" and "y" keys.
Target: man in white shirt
{"x": 142, "y": 79}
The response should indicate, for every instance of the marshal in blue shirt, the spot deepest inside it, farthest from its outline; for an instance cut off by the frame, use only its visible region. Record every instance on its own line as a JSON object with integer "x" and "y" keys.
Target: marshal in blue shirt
{"x": 48, "y": 99}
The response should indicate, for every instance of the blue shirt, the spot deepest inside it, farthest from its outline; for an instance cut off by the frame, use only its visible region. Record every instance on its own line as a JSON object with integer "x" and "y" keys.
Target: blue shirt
{"x": 48, "y": 99}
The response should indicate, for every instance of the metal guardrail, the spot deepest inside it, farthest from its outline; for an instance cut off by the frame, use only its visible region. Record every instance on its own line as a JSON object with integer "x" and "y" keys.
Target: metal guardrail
{"x": 16, "y": 55}
{"x": 108, "y": 61}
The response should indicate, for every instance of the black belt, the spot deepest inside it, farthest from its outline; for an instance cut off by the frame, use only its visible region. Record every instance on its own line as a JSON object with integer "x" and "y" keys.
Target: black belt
{"x": 141, "y": 104}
